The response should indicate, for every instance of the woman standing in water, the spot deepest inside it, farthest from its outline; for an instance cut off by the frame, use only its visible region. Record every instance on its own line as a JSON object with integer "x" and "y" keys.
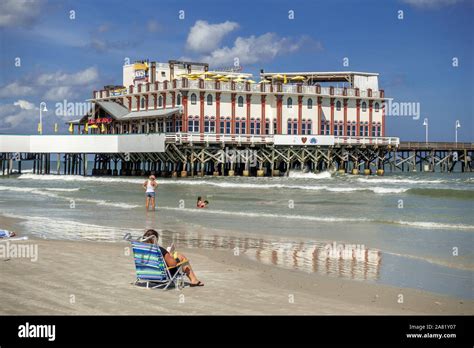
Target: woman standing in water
{"x": 150, "y": 186}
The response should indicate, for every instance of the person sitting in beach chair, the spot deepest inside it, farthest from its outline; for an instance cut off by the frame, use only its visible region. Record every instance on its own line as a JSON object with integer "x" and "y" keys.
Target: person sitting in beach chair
{"x": 173, "y": 261}
{"x": 201, "y": 204}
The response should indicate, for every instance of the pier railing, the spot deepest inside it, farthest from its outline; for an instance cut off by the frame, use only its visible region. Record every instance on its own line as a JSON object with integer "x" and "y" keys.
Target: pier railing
{"x": 180, "y": 138}
{"x": 239, "y": 87}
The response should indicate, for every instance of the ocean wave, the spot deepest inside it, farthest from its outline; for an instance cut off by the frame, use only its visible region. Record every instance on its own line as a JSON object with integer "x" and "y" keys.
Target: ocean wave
{"x": 230, "y": 184}
{"x": 377, "y": 181}
{"x": 416, "y": 224}
{"x": 301, "y": 175}
{"x": 54, "y": 228}
{"x": 459, "y": 193}
{"x": 80, "y": 178}
{"x": 61, "y": 189}
{"x": 40, "y": 192}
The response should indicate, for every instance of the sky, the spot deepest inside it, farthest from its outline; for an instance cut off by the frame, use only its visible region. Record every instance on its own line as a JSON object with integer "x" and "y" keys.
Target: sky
{"x": 60, "y": 51}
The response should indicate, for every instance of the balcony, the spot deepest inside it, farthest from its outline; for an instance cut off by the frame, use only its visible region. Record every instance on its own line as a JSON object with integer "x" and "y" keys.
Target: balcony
{"x": 186, "y": 84}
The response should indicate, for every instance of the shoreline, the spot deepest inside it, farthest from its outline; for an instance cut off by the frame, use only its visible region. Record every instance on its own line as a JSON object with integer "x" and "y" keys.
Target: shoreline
{"x": 103, "y": 276}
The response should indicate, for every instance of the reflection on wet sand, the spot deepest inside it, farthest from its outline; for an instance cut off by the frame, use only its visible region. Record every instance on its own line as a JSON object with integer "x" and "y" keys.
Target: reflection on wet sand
{"x": 337, "y": 259}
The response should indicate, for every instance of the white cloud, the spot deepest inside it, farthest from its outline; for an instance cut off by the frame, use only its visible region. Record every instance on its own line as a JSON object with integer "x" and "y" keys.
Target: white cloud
{"x": 204, "y": 37}
{"x": 431, "y": 3}
{"x": 16, "y": 89}
{"x": 53, "y": 86}
{"x": 19, "y": 12}
{"x": 24, "y": 104}
{"x": 253, "y": 49}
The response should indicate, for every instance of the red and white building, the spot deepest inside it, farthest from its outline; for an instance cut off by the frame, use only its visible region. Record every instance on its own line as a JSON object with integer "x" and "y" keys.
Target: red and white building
{"x": 186, "y": 99}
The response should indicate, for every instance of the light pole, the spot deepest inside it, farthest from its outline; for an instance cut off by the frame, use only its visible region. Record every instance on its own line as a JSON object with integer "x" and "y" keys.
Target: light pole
{"x": 42, "y": 108}
{"x": 425, "y": 123}
{"x": 458, "y": 125}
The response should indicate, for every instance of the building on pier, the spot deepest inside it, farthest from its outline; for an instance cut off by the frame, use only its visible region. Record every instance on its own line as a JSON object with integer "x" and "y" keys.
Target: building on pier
{"x": 188, "y": 98}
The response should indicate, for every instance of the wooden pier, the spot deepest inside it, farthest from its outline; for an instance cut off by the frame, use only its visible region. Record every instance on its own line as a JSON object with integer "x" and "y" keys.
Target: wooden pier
{"x": 186, "y": 155}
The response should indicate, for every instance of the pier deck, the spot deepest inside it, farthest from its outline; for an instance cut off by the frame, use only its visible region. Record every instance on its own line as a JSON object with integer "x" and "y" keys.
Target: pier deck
{"x": 186, "y": 154}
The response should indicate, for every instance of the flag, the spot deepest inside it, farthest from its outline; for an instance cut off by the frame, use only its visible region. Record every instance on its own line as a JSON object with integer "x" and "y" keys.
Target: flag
{"x": 40, "y": 128}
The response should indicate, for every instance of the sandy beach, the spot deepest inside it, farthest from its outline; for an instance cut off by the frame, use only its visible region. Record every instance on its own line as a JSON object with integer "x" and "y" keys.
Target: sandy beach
{"x": 78, "y": 277}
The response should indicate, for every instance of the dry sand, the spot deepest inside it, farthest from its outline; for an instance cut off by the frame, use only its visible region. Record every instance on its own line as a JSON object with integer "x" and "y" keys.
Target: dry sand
{"x": 72, "y": 277}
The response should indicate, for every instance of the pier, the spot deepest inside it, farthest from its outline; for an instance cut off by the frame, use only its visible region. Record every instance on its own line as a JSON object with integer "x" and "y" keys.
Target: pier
{"x": 183, "y": 155}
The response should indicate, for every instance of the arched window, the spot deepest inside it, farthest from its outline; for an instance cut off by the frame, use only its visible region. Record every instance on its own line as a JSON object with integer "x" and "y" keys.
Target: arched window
{"x": 240, "y": 101}
{"x": 193, "y": 99}
{"x": 289, "y": 103}
{"x": 351, "y": 129}
{"x": 310, "y": 103}
{"x": 177, "y": 124}
{"x": 178, "y": 99}
{"x": 338, "y": 105}
{"x": 142, "y": 103}
{"x": 267, "y": 126}
{"x": 160, "y": 101}
{"x": 376, "y": 107}
{"x": 275, "y": 127}
{"x": 364, "y": 106}
{"x": 209, "y": 99}
{"x": 364, "y": 129}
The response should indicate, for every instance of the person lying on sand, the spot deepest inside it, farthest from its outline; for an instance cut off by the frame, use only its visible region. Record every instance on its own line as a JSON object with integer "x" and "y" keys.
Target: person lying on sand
{"x": 6, "y": 234}
{"x": 201, "y": 204}
{"x": 151, "y": 236}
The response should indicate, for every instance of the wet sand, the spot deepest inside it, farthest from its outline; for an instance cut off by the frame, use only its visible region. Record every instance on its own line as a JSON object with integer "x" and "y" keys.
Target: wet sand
{"x": 78, "y": 277}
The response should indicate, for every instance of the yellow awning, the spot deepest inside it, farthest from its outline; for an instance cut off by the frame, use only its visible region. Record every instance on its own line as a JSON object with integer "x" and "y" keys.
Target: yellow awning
{"x": 140, "y": 66}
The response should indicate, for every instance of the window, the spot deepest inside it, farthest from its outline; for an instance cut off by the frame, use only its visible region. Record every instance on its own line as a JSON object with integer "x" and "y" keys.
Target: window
{"x": 267, "y": 126}
{"x": 275, "y": 126}
{"x": 209, "y": 99}
{"x": 240, "y": 102}
{"x": 169, "y": 126}
{"x": 325, "y": 127}
{"x": 292, "y": 126}
{"x": 338, "y": 105}
{"x": 193, "y": 99}
{"x": 163, "y": 74}
{"x": 351, "y": 129}
{"x": 240, "y": 125}
{"x": 178, "y": 99}
{"x": 289, "y": 103}
{"x": 376, "y": 129}
{"x": 142, "y": 103}
{"x": 209, "y": 124}
{"x": 160, "y": 101}
{"x": 225, "y": 125}
{"x": 364, "y": 129}
{"x": 178, "y": 125}
{"x": 193, "y": 124}
{"x": 339, "y": 128}
{"x": 376, "y": 107}
{"x": 306, "y": 127}
{"x": 254, "y": 126}
{"x": 364, "y": 106}
{"x": 310, "y": 103}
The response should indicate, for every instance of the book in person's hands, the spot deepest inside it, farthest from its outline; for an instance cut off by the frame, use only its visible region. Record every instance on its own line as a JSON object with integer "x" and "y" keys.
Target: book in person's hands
{"x": 172, "y": 250}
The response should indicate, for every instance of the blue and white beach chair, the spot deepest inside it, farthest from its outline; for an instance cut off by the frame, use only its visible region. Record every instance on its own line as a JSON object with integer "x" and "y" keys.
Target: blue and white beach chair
{"x": 151, "y": 267}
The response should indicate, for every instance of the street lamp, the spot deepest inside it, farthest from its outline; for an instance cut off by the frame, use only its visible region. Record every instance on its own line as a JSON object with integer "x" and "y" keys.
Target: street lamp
{"x": 42, "y": 108}
{"x": 458, "y": 125}
{"x": 425, "y": 123}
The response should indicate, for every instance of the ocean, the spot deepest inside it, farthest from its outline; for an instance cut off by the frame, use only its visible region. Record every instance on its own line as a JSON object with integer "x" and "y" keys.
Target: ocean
{"x": 406, "y": 230}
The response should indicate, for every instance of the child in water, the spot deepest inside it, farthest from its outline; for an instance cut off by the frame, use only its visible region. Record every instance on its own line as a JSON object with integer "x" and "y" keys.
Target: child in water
{"x": 201, "y": 204}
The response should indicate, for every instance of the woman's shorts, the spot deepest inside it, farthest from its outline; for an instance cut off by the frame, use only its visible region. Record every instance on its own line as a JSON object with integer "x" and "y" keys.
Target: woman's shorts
{"x": 150, "y": 194}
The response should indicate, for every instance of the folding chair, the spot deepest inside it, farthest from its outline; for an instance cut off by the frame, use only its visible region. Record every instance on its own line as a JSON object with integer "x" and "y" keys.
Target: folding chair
{"x": 151, "y": 267}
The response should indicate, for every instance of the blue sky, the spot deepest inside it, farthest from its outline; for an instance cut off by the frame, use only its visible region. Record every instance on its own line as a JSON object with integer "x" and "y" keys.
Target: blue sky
{"x": 65, "y": 59}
